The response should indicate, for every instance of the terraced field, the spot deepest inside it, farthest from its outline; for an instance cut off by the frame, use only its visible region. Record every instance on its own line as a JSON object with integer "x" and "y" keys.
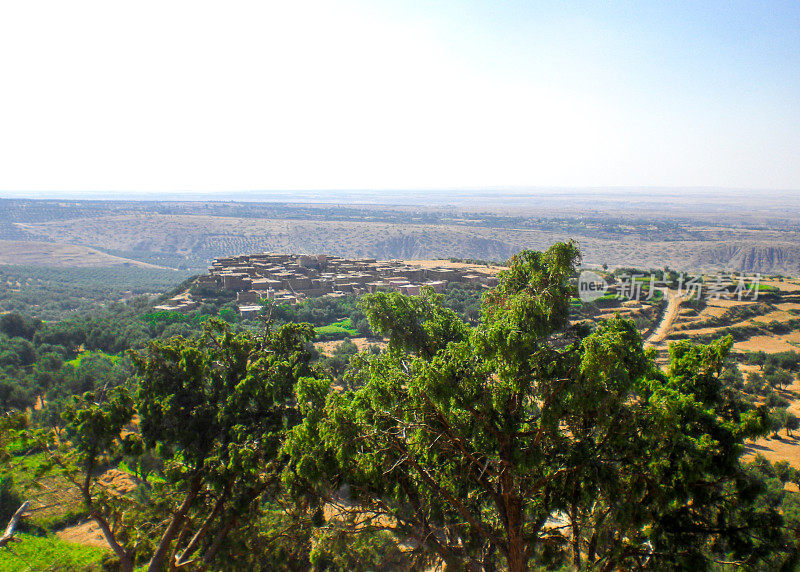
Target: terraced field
{"x": 769, "y": 324}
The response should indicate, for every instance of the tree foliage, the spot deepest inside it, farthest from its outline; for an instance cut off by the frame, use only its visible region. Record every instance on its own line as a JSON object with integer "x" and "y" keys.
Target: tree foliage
{"x": 214, "y": 408}
{"x": 508, "y": 439}
{"x": 522, "y": 441}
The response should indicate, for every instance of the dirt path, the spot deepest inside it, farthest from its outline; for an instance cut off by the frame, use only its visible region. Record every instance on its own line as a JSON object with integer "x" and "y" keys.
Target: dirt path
{"x": 665, "y": 325}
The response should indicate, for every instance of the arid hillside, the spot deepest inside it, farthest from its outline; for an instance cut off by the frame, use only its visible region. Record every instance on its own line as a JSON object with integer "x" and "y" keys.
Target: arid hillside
{"x": 30, "y": 253}
{"x": 701, "y": 236}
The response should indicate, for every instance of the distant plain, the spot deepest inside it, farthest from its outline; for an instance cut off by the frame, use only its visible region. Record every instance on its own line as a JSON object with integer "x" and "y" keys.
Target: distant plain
{"x": 693, "y": 230}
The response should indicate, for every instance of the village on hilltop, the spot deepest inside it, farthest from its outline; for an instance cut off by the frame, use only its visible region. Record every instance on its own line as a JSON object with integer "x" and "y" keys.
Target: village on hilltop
{"x": 291, "y": 278}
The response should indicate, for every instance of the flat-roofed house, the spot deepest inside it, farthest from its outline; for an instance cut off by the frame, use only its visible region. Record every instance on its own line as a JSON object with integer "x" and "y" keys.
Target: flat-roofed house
{"x": 248, "y": 297}
{"x": 266, "y": 284}
{"x": 236, "y": 282}
{"x": 409, "y": 289}
{"x": 249, "y": 312}
{"x": 437, "y": 285}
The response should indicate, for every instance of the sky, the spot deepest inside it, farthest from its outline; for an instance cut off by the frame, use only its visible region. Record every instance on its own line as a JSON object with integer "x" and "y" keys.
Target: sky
{"x": 181, "y": 96}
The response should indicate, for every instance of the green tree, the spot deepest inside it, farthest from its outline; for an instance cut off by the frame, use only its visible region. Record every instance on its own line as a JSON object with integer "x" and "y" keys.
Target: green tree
{"x": 792, "y": 423}
{"x": 755, "y": 383}
{"x": 780, "y": 378}
{"x": 14, "y": 324}
{"x": 337, "y": 363}
{"x": 481, "y": 444}
{"x": 215, "y": 409}
{"x": 12, "y": 429}
{"x": 94, "y": 427}
{"x": 779, "y": 419}
{"x": 339, "y": 550}
{"x": 758, "y": 358}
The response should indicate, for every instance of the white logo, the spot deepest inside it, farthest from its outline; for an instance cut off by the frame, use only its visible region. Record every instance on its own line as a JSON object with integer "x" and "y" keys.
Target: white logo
{"x": 591, "y": 286}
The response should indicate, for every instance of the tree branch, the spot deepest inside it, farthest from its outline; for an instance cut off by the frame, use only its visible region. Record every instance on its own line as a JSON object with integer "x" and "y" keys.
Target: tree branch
{"x": 160, "y": 554}
{"x": 8, "y": 535}
{"x": 194, "y": 543}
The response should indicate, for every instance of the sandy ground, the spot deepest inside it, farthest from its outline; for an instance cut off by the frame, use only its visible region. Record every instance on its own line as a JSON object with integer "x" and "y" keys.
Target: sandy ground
{"x": 778, "y": 315}
{"x": 698, "y": 331}
{"x": 781, "y": 449}
{"x": 711, "y": 312}
{"x": 610, "y": 315}
{"x": 118, "y": 482}
{"x": 784, "y": 448}
{"x": 725, "y": 304}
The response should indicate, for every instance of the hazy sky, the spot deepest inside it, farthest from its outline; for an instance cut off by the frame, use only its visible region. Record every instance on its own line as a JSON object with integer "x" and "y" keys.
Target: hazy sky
{"x": 207, "y": 96}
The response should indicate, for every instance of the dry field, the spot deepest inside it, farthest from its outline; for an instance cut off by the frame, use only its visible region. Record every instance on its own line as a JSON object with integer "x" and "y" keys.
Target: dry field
{"x": 24, "y": 253}
{"x": 783, "y": 308}
{"x": 491, "y": 269}
{"x": 361, "y": 343}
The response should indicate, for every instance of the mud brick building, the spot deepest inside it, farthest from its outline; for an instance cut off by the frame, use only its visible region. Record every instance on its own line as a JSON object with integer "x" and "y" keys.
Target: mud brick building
{"x": 291, "y": 278}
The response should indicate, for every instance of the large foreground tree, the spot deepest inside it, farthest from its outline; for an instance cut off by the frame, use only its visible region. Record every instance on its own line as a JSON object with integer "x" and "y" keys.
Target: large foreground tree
{"x": 525, "y": 440}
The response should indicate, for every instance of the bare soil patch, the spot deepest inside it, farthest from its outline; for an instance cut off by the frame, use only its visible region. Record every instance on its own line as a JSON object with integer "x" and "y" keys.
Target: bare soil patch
{"x": 770, "y": 344}
{"x": 118, "y": 482}
{"x": 781, "y": 449}
{"x": 86, "y": 533}
{"x": 776, "y": 315}
{"x": 361, "y": 343}
{"x": 711, "y": 311}
{"x": 785, "y": 285}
